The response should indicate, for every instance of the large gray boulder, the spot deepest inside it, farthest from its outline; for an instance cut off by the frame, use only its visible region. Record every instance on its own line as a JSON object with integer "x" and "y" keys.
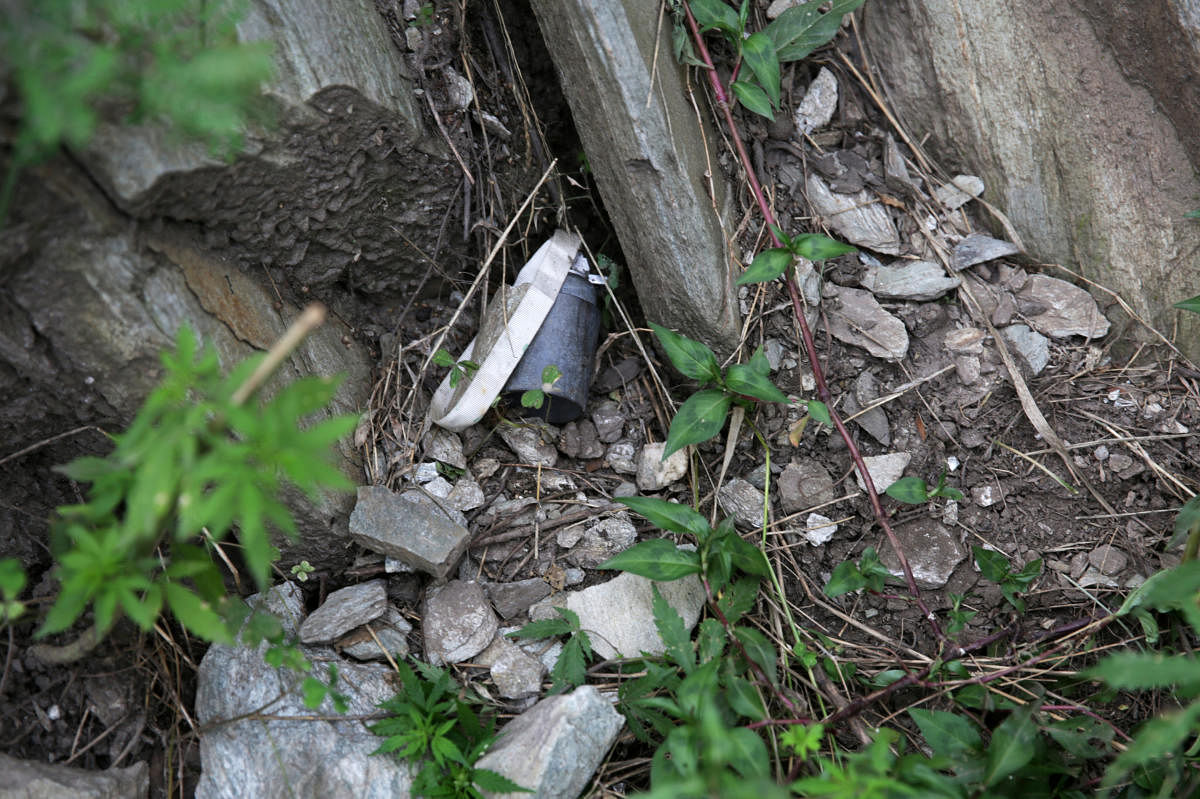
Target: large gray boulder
{"x": 28, "y": 779}
{"x": 1081, "y": 119}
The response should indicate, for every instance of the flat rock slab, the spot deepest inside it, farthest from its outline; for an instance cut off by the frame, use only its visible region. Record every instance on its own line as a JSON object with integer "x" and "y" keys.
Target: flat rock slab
{"x": 457, "y": 622}
{"x": 1060, "y": 309}
{"x": 856, "y": 318}
{"x": 1030, "y": 346}
{"x": 30, "y": 779}
{"x": 344, "y": 610}
{"x": 804, "y": 484}
{"x": 932, "y": 550}
{"x": 913, "y": 280}
{"x": 408, "y": 531}
{"x": 391, "y": 629}
{"x": 512, "y": 599}
{"x": 619, "y": 618}
{"x": 860, "y": 218}
{"x": 884, "y": 469}
{"x": 529, "y": 445}
{"x": 741, "y": 500}
{"x": 977, "y": 249}
{"x": 554, "y": 747}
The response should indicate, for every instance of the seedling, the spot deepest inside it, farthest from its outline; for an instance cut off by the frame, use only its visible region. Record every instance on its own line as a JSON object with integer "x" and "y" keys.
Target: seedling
{"x": 301, "y": 570}
{"x": 868, "y": 573}
{"x": 12, "y": 582}
{"x": 458, "y": 369}
{"x": 915, "y": 491}
{"x": 996, "y": 567}
{"x": 536, "y": 397}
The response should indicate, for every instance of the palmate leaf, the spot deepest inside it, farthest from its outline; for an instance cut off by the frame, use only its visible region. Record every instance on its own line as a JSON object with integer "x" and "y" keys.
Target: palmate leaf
{"x": 803, "y": 28}
{"x": 699, "y": 418}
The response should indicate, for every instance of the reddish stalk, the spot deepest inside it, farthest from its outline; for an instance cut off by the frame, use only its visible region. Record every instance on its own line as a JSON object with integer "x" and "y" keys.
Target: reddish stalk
{"x": 823, "y": 393}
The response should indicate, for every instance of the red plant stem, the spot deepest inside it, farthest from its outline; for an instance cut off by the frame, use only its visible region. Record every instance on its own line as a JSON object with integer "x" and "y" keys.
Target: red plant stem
{"x": 823, "y": 393}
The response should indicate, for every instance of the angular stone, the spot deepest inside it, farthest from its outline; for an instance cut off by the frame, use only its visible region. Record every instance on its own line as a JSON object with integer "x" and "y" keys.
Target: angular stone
{"x": 819, "y": 529}
{"x": 620, "y": 457}
{"x": 527, "y": 444}
{"x": 554, "y": 747}
{"x": 1108, "y": 559}
{"x": 580, "y": 440}
{"x": 31, "y": 779}
{"x": 860, "y": 218}
{"x": 856, "y": 318}
{"x": 609, "y": 421}
{"x": 344, "y": 610}
{"x": 964, "y": 341}
{"x": 968, "y": 368}
{"x": 391, "y": 629}
{"x": 959, "y": 191}
{"x": 1031, "y": 347}
{"x": 654, "y": 473}
{"x": 909, "y": 280}
{"x": 819, "y": 103}
{"x": 512, "y": 599}
{"x": 445, "y": 447}
{"x": 742, "y": 501}
{"x": 985, "y": 495}
{"x": 619, "y": 618}
{"x": 602, "y": 541}
{"x": 407, "y": 530}
{"x": 874, "y": 421}
{"x": 515, "y": 673}
{"x": 804, "y": 484}
{"x": 466, "y": 495}
{"x": 457, "y": 622}
{"x": 931, "y": 548}
{"x": 1060, "y": 309}
{"x": 977, "y": 249}
{"x": 884, "y": 469}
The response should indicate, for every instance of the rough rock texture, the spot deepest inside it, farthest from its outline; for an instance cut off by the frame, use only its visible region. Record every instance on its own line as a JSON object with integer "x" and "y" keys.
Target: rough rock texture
{"x": 856, "y": 318}
{"x": 391, "y": 629}
{"x": 1080, "y": 117}
{"x": 554, "y": 747}
{"x": 344, "y": 610}
{"x": 648, "y": 157}
{"x": 281, "y": 758}
{"x": 412, "y": 532}
{"x": 932, "y": 550}
{"x": 28, "y": 779}
{"x": 804, "y": 484}
{"x": 619, "y": 618}
{"x": 457, "y": 622}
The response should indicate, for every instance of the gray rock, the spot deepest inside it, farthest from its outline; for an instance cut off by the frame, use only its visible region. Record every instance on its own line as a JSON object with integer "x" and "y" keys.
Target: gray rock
{"x": 874, "y": 421}
{"x": 986, "y": 495}
{"x": 512, "y": 599}
{"x": 654, "y": 473}
{"x": 856, "y": 318}
{"x": 404, "y": 528}
{"x": 742, "y": 501}
{"x": 516, "y": 673}
{"x": 466, "y": 495}
{"x": 619, "y": 618}
{"x": 580, "y": 440}
{"x": 1108, "y": 559}
{"x": 278, "y": 758}
{"x": 554, "y": 747}
{"x": 977, "y": 249}
{"x": 1033, "y": 348}
{"x": 625, "y": 489}
{"x": 573, "y": 576}
{"x": 1119, "y": 462}
{"x": 344, "y": 610}
{"x": 526, "y": 441}
{"x": 968, "y": 368}
{"x": 909, "y": 280}
{"x": 1060, "y": 309}
{"x": 884, "y": 469}
{"x": 819, "y": 529}
{"x": 457, "y": 622}
{"x": 804, "y": 484}
{"x": 391, "y": 629}
{"x": 932, "y": 550}
{"x": 964, "y": 341}
{"x": 609, "y": 421}
{"x": 860, "y": 218}
{"x": 31, "y": 779}
{"x": 444, "y": 446}
{"x": 959, "y": 191}
{"x": 621, "y": 457}
{"x": 819, "y": 103}
{"x": 602, "y": 541}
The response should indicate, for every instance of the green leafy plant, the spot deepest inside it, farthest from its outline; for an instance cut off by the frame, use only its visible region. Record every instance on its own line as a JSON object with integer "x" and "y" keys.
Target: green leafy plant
{"x": 915, "y": 491}
{"x": 196, "y": 462}
{"x": 437, "y": 732}
{"x": 301, "y": 570}
{"x": 773, "y": 263}
{"x": 868, "y": 573}
{"x": 570, "y": 670}
{"x": 1187, "y": 529}
{"x": 536, "y": 397}
{"x": 12, "y": 582}
{"x": 994, "y": 566}
{"x": 458, "y": 369}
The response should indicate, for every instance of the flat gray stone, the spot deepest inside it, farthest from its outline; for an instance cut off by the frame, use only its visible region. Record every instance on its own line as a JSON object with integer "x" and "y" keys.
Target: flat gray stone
{"x": 580, "y": 439}
{"x": 804, "y": 484}
{"x": 408, "y": 530}
{"x": 977, "y": 249}
{"x": 964, "y": 341}
{"x": 959, "y": 191}
{"x": 391, "y": 629}
{"x": 31, "y": 779}
{"x": 457, "y": 622}
{"x": 856, "y": 318}
{"x": 512, "y": 599}
{"x": 466, "y": 495}
{"x": 609, "y": 421}
{"x": 1060, "y": 309}
{"x": 554, "y": 747}
{"x": 1108, "y": 559}
{"x": 528, "y": 444}
{"x": 741, "y": 500}
{"x": 445, "y": 447}
{"x": 909, "y": 280}
{"x": 344, "y": 610}
{"x": 819, "y": 529}
{"x": 1030, "y": 346}
{"x": 884, "y": 469}
{"x": 622, "y": 457}
{"x": 819, "y": 103}
{"x": 860, "y": 218}
{"x": 602, "y": 541}
{"x": 516, "y": 674}
{"x": 654, "y": 473}
{"x": 619, "y": 618}
{"x": 932, "y": 550}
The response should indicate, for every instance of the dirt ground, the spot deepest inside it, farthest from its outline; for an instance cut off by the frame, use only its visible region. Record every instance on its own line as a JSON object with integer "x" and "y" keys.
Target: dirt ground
{"x": 1124, "y": 406}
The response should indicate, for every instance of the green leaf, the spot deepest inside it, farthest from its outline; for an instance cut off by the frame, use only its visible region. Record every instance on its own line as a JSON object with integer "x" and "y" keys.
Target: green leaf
{"x": 714, "y": 14}
{"x": 846, "y": 577}
{"x": 910, "y": 490}
{"x": 673, "y": 632}
{"x": 690, "y": 357}
{"x": 699, "y": 418}
{"x": 314, "y": 692}
{"x": 443, "y": 358}
{"x": 492, "y": 782}
{"x": 758, "y": 51}
{"x": 766, "y": 266}
{"x": 1188, "y": 519}
{"x": 710, "y": 640}
{"x": 1155, "y": 738}
{"x": 758, "y": 649}
{"x": 543, "y": 628}
{"x": 571, "y": 666}
{"x": 816, "y": 247}
{"x": 738, "y": 598}
{"x": 657, "y": 559}
{"x": 1012, "y": 745}
{"x": 672, "y": 516}
{"x": 992, "y": 564}
{"x": 534, "y": 398}
{"x": 550, "y": 375}
{"x": 1082, "y": 736}
{"x": 12, "y": 578}
{"x": 1192, "y": 305}
{"x": 754, "y": 98}
{"x": 803, "y": 28}
{"x": 1166, "y": 589}
{"x": 1144, "y": 670}
{"x": 1193, "y": 214}
{"x": 195, "y": 614}
{"x": 948, "y": 734}
{"x": 749, "y": 753}
{"x": 820, "y": 411}
{"x": 742, "y": 379}
{"x": 744, "y": 699}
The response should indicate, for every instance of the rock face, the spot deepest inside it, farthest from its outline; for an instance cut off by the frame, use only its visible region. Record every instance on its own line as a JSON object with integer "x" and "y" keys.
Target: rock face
{"x": 415, "y": 533}
{"x": 1080, "y": 117}
{"x": 27, "y": 779}
{"x": 648, "y": 157}
{"x": 619, "y": 617}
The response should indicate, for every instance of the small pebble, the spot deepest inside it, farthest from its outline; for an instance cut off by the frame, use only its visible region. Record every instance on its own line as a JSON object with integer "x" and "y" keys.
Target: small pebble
{"x": 1101, "y": 453}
